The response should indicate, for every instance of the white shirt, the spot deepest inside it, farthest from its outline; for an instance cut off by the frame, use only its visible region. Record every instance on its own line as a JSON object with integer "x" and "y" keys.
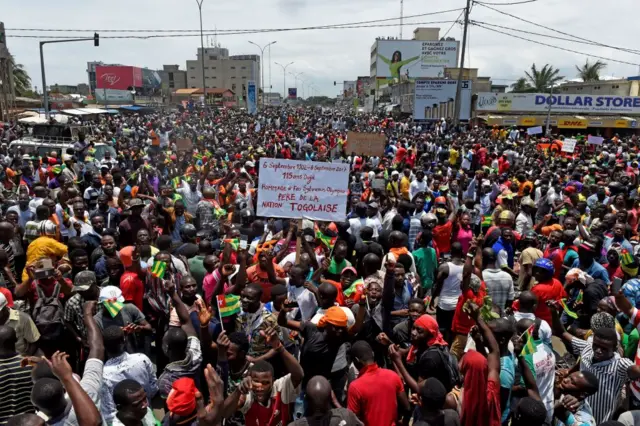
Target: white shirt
{"x": 417, "y": 187}
{"x": 307, "y": 303}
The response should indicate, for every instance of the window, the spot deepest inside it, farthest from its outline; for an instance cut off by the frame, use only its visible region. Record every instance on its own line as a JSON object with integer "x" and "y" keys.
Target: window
{"x": 244, "y": 78}
{"x": 206, "y": 68}
{"x": 171, "y": 85}
{"x": 213, "y": 58}
{"x": 193, "y": 87}
{"x": 213, "y": 68}
{"x": 233, "y": 68}
{"x": 233, "y": 78}
{"x": 233, "y": 86}
{"x": 244, "y": 68}
{"x": 192, "y": 77}
{"x": 192, "y": 68}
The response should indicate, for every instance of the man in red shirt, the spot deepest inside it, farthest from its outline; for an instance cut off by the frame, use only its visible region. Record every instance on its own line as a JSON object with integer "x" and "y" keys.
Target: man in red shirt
{"x": 375, "y": 394}
{"x": 130, "y": 283}
{"x": 548, "y": 288}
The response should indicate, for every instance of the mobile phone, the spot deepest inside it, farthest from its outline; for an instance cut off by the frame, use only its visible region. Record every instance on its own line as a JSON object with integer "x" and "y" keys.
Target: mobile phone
{"x": 292, "y": 304}
{"x": 616, "y": 285}
{"x": 243, "y": 242}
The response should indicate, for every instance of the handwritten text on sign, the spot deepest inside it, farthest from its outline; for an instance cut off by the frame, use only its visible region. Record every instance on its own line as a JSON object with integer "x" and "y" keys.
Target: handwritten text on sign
{"x": 303, "y": 189}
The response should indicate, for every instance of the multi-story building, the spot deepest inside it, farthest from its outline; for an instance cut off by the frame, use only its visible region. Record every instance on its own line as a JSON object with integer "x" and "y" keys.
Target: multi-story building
{"x": 172, "y": 78}
{"x": 604, "y": 87}
{"x": 91, "y": 73}
{"x": 223, "y": 71}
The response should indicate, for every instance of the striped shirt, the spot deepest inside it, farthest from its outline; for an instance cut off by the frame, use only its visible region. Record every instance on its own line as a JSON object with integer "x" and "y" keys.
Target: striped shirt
{"x": 612, "y": 375}
{"x": 15, "y": 388}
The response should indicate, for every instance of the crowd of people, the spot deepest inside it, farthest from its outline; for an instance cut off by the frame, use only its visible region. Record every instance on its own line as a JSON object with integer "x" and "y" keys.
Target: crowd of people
{"x": 477, "y": 279}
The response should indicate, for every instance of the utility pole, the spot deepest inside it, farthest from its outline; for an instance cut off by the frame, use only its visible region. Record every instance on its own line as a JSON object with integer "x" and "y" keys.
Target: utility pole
{"x": 204, "y": 82}
{"x": 548, "y": 129}
{"x": 456, "y": 116}
{"x": 401, "y": 15}
{"x": 262, "y": 65}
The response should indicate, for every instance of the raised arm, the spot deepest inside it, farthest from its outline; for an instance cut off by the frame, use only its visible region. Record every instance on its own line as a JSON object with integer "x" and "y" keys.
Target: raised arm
{"x": 293, "y": 367}
{"x": 493, "y": 358}
{"x": 181, "y": 309}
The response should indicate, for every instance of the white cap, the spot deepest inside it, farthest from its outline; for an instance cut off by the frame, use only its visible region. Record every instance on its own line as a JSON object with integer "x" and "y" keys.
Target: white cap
{"x": 111, "y": 292}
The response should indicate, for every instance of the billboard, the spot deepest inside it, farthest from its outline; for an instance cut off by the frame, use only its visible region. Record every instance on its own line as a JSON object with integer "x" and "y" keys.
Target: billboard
{"x": 415, "y": 58}
{"x": 574, "y": 104}
{"x": 293, "y": 93}
{"x": 252, "y": 97}
{"x": 113, "y": 95}
{"x": 366, "y": 143}
{"x": 435, "y": 99}
{"x": 361, "y": 85}
{"x": 349, "y": 88}
{"x": 151, "y": 79}
{"x": 118, "y": 77}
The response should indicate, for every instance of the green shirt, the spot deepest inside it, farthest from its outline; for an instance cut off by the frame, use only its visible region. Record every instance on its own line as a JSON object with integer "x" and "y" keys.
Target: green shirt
{"x": 426, "y": 265}
{"x": 196, "y": 266}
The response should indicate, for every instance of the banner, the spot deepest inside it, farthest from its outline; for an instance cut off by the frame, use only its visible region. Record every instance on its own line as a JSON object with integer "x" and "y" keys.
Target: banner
{"x": 572, "y": 123}
{"x": 252, "y": 97}
{"x": 361, "y": 143}
{"x": 569, "y": 145}
{"x": 118, "y": 77}
{"x": 293, "y": 93}
{"x": 113, "y": 95}
{"x": 595, "y": 140}
{"x": 303, "y": 189}
{"x": 435, "y": 99}
{"x": 534, "y": 130}
{"x": 539, "y": 102}
{"x": 349, "y": 88}
{"x": 184, "y": 144}
{"x": 414, "y": 58}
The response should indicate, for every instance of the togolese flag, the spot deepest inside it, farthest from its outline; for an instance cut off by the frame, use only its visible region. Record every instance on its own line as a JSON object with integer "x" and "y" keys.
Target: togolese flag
{"x": 228, "y": 305}
{"x": 233, "y": 242}
{"x": 325, "y": 239}
{"x": 568, "y": 311}
{"x": 580, "y": 297}
{"x": 530, "y": 345}
{"x": 356, "y": 287}
{"x": 113, "y": 307}
{"x": 158, "y": 269}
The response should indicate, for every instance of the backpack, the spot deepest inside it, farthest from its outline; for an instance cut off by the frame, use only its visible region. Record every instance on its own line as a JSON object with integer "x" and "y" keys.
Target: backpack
{"x": 48, "y": 314}
{"x": 450, "y": 361}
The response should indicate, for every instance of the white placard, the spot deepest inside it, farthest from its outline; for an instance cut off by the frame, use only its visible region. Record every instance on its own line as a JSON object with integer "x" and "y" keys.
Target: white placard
{"x": 568, "y": 145}
{"x": 534, "y": 130}
{"x": 303, "y": 189}
{"x": 595, "y": 140}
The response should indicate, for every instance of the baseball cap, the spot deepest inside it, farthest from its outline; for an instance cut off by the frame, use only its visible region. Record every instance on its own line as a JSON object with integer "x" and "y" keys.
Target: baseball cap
{"x": 527, "y": 201}
{"x": 111, "y": 292}
{"x": 84, "y": 280}
{"x": 545, "y": 264}
{"x": 135, "y": 202}
{"x": 349, "y": 268}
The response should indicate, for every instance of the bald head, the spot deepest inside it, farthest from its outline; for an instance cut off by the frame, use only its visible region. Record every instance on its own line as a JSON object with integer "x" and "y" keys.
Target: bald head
{"x": 319, "y": 395}
{"x": 8, "y": 339}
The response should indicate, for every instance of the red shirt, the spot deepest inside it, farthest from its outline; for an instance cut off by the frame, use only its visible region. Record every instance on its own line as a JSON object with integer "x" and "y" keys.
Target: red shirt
{"x": 614, "y": 271}
{"x": 373, "y": 396}
{"x": 550, "y": 290}
{"x": 462, "y": 322}
{"x": 442, "y": 236}
{"x": 132, "y": 288}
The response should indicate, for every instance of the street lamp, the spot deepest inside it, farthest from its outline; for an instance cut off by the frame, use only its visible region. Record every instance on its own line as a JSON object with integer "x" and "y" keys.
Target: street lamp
{"x": 295, "y": 76}
{"x": 284, "y": 78}
{"x": 45, "y": 98}
{"x": 204, "y": 84}
{"x": 262, "y": 64}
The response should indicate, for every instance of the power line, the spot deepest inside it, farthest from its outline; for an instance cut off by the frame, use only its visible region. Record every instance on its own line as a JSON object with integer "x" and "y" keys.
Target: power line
{"x": 454, "y": 22}
{"x": 556, "y": 47}
{"x": 152, "y": 36}
{"x": 230, "y": 30}
{"x": 508, "y": 4}
{"x": 623, "y": 49}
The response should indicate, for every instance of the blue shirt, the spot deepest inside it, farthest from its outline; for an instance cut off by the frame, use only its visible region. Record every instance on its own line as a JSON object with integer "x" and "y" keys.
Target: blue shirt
{"x": 596, "y": 270}
{"x": 507, "y": 379}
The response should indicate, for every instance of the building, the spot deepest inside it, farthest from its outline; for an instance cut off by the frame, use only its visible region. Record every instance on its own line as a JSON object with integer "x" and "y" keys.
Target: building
{"x": 603, "y": 87}
{"x": 172, "y": 78}
{"x": 499, "y": 88}
{"x": 91, "y": 73}
{"x": 272, "y": 98}
{"x": 63, "y": 89}
{"x": 223, "y": 71}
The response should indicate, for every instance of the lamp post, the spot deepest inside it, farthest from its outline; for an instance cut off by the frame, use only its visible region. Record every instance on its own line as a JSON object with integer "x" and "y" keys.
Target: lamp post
{"x": 45, "y": 97}
{"x": 284, "y": 78}
{"x": 295, "y": 77}
{"x": 204, "y": 83}
{"x": 262, "y": 64}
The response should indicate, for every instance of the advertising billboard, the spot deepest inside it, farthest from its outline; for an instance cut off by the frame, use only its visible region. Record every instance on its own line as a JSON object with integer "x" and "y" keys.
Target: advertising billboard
{"x": 362, "y": 84}
{"x": 151, "y": 79}
{"x": 574, "y": 104}
{"x": 292, "y": 93}
{"x": 113, "y": 95}
{"x": 349, "y": 88}
{"x": 118, "y": 77}
{"x": 252, "y": 97}
{"x": 435, "y": 99}
{"x": 415, "y": 58}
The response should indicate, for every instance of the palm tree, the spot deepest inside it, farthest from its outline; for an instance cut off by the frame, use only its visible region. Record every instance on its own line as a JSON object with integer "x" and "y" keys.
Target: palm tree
{"x": 544, "y": 79}
{"x": 521, "y": 85}
{"x": 21, "y": 79}
{"x": 591, "y": 72}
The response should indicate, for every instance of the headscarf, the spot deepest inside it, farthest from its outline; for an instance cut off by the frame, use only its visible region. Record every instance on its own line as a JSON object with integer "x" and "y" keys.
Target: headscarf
{"x": 182, "y": 397}
{"x": 429, "y": 324}
{"x": 475, "y": 411}
{"x": 335, "y": 316}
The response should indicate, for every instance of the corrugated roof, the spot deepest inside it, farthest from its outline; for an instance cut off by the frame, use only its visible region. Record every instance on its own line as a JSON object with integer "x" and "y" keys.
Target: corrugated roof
{"x": 186, "y": 91}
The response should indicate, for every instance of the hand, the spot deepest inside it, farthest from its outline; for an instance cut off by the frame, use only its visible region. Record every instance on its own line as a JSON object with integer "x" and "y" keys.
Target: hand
{"x": 57, "y": 274}
{"x": 30, "y": 361}
{"x": 90, "y": 307}
{"x": 394, "y": 355}
{"x": 271, "y": 337}
{"x": 383, "y": 339}
{"x": 473, "y": 310}
{"x": 246, "y": 385}
{"x": 570, "y": 403}
{"x": 554, "y": 305}
{"x": 326, "y": 262}
{"x": 169, "y": 286}
{"x": 623, "y": 304}
{"x": 518, "y": 344}
{"x": 227, "y": 270}
{"x": 31, "y": 272}
{"x": 310, "y": 286}
{"x": 284, "y": 305}
{"x": 214, "y": 383}
{"x": 204, "y": 315}
{"x": 60, "y": 366}
{"x": 223, "y": 342}
{"x": 473, "y": 246}
{"x": 77, "y": 227}
{"x": 349, "y": 303}
{"x": 389, "y": 265}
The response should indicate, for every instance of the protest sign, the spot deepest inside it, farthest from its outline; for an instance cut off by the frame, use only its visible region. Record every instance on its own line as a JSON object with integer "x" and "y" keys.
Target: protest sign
{"x": 534, "y": 130}
{"x": 569, "y": 145}
{"x": 184, "y": 144}
{"x": 303, "y": 189}
{"x": 595, "y": 140}
{"x": 378, "y": 183}
{"x": 366, "y": 143}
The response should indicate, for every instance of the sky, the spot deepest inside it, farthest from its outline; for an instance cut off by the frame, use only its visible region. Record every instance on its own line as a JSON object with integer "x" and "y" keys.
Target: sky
{"x": 323, "y": 56}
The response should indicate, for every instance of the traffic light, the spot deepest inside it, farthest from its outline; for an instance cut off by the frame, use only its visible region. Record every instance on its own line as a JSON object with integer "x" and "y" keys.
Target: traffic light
{"x": 96, "y": 39}
{"x": 334, "y": 83}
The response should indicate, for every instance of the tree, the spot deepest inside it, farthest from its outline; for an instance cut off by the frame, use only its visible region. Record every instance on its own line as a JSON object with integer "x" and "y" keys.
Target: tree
{"x": 21, "y": 79}
{"x": 591, "y": 72}
{"x": 544, "y": 79}
{"x": 521, "y": 85}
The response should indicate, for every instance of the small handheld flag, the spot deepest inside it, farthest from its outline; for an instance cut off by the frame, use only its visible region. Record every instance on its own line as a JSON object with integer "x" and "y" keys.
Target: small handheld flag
{"x": 355, "y": 287}
{"x": 113, "y": 307}
{"x": 228, "y": 305}
{"x": 234, "y": 242}
{"x": 566, "y": 309}
{"x": 427, "y": 301}
{"x": 158, "y": 269}
{"x": 325, "y": 239}
{"x": 580, "y": 297}
{"x": 530, "y": 344}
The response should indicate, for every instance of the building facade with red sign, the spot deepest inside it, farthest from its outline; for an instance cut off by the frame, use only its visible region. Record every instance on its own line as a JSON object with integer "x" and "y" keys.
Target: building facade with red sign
{"x": 118, "y": 77}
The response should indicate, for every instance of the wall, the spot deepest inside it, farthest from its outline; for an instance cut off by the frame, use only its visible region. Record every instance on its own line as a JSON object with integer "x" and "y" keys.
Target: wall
{"x": 605, "y": 87}
{"x": 223, "y": 71}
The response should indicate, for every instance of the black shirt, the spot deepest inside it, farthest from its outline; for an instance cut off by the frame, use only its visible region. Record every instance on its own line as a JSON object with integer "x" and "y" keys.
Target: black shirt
{"x": 317, "y": 355}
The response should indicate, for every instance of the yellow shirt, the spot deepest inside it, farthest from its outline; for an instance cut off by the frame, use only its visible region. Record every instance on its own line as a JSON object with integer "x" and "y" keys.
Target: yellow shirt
{"x": 43, "y": 247}
{"x": 453, "y": 157}
{"x": 405, "y": 183}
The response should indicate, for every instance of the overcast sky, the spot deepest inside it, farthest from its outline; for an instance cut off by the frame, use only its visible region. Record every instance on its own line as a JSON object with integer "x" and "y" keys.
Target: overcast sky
{"x": 322, "y": 55}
